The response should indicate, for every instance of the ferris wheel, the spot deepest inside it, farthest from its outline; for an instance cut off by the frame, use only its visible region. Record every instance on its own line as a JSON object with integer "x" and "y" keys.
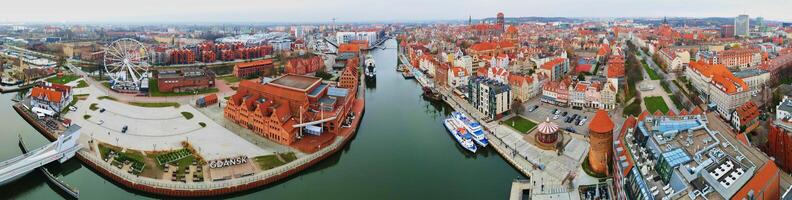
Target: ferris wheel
{"x": 126, "y": 63}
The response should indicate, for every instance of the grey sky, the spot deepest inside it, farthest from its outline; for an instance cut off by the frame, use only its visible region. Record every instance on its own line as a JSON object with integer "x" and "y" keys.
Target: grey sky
{"x": 371, "y": 10}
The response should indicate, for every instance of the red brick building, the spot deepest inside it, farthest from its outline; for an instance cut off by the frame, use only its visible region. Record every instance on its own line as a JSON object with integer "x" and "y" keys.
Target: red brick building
{"x": 280, "y": 108}
{"x": 303, "y": 66}
{"x": 183, "y": 80}
{"x": 256, "y": 68}
{"x": 779, "y": 144}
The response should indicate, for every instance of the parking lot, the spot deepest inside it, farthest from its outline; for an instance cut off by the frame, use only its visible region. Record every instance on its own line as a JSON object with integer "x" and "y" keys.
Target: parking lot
{"x": 545, "y": 111}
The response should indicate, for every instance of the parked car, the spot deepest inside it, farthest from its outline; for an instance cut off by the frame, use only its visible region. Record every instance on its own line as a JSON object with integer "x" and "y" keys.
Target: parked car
{"x": 534, "y": 108}
{"x": 582, "y": 122}
{"x": 557, "y": 111}
{"x": 100, "y": 122}
{"x": 577, "y": 122}
{"x": 564, "y": 114}
{"x": 72, "y": 108}
{"x": 101, "y": 110}
{"x": 554, "y": 111}
{"x": 556, "y": 117}
{"x": 570, "y": 129}
{"x": 124, "y": 129}
{"x": 575, "y": 116}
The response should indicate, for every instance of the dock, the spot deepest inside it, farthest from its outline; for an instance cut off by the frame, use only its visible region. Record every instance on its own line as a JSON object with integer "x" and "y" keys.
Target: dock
{"x": 66, "y": 188}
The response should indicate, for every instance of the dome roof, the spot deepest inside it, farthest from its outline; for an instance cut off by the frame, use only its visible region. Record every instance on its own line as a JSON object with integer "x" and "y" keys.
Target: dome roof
{"x": 547, "y": 127}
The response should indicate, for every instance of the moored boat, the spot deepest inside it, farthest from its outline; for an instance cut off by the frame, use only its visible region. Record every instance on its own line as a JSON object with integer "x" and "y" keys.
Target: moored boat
{"x": 474, "y": 127}
{"x": 460, "y": 133}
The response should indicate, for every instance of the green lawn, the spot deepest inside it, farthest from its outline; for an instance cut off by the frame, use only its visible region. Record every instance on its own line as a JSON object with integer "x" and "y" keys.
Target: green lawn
{"x": 66, "y": 109}
{"x": 272, "y": 161}
{"x": 187, "y": 115}
{"x": 652, "y": 74}
{"x": 106, "y": 97}
{"x": 63, "y": 79}
{"x": 655, "y": 103}
{"x": 633, "y": 109}
{"x": 520, "y": 124}
{"x": 230, "y": 78}
{"x": 676, "y": 102}
{"x": 81, "y": 84}
{"x": 665, "y": 87}
{"x": 155, "y": 104}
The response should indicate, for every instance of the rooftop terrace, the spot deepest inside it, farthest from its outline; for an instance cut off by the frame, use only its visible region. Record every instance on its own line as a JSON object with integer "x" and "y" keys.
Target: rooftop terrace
{"x": 296, "y": 81}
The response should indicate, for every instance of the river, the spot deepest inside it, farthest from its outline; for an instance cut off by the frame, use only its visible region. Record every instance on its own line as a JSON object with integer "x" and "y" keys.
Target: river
{"x": 401, "y": 151}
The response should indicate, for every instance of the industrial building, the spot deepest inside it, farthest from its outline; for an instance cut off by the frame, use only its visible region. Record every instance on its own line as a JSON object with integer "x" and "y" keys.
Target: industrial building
{"x": 186, "y": 79}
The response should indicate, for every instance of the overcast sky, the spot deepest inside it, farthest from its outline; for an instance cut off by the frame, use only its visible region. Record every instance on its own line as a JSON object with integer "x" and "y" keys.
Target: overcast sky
{"x": 297, "y": 11}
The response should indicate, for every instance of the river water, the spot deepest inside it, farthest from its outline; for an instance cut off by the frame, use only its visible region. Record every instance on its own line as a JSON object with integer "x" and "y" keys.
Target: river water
{"x": 401, "y": 151}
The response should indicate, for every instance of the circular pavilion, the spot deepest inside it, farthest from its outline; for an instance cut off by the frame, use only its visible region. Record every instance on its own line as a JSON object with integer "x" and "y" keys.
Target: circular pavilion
{"x": 547, "y": 135}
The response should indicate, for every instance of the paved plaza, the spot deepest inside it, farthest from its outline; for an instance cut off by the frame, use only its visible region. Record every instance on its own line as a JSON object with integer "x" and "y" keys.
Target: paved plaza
{"x": 159, "y": 128}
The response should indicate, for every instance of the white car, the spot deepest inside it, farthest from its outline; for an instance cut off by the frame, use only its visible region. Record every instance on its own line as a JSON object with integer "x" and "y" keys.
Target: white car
{"x": 72, "y": 108}
{"x": 582, "y": 122}
{"x": 100, "y": 122}
{"x": 555, "y": 117}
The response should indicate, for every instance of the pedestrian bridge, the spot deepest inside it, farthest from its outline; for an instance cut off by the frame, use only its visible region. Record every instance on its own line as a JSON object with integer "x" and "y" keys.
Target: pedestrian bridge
{"x": 61, "y": 150}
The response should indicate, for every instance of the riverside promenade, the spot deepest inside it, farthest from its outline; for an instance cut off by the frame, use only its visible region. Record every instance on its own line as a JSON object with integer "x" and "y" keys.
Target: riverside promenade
{"x": 91, "y": 157}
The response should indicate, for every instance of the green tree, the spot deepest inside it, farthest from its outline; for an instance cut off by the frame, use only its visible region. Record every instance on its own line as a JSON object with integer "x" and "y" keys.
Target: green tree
{"x": 517, "y": 107}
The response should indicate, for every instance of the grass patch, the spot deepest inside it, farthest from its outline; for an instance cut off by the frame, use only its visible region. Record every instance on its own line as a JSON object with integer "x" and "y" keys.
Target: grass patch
{"x": 106, "y": 97}
{"x": 665, "y": 87}
{"x": 520, "y": 124}
{"x": 587, "y": 168}
{"x": 155, "y": 104}
{"x": 187, "y": 115}
{"x": 172, "y": 156}
{"x": 134, "y": 157}
{"x": 86, "y": 117}
{"x": 107, "y": 85}
{"x": 66, "y": 78}
{"x": 230, "y": 78}
{"x": 272, "y": 161}
{"x": 94, "y": 106}
{"x": 676, "y": 102}
{"x": 81, "y": 84}
{"x": 655, "y": 103}
{"x": 633, "y": 109}
{"x": 66, "y": 109}
{"x": 202, "y": 124}
{"x": 652, "y": 73}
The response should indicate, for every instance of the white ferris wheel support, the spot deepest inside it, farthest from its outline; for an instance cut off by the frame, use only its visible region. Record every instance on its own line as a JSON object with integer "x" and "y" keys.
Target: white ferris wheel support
{"x": 126, "y": 63}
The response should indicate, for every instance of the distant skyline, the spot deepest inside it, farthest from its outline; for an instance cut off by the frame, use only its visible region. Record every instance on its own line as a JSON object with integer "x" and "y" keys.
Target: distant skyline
{"x": 322, "y": 11}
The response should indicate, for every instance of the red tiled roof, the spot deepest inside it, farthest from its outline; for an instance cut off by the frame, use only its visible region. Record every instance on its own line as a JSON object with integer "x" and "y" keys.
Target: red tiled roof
{"x": 747, "y": 112}
{"x": 549, "y": 65}
{"x": 643, "y": 115}
{"x": 49, "y": 95}
{"x": 601, "y": 123}
{"x": 765, "y": 181}
{"x": 721, "y": 76}
{"x": 696, "y": 111}
{"x": 254, "y": 63}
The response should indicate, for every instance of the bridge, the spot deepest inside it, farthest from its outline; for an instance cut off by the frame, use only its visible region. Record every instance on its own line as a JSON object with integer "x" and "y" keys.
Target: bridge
{"x": 61, "y": 150}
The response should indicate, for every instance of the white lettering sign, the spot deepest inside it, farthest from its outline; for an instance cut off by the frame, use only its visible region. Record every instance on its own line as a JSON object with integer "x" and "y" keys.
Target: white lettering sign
{"x": 228, "y": 162}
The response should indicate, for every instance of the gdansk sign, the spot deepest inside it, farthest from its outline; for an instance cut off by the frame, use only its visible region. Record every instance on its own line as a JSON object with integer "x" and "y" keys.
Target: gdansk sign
{"x": 228, "y": 162}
